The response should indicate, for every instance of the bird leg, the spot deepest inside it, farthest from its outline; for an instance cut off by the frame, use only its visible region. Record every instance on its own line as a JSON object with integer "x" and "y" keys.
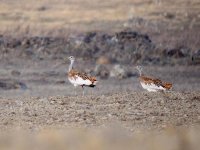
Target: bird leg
{"x": 75, "y": 90}
{"x": 83, "y": 90}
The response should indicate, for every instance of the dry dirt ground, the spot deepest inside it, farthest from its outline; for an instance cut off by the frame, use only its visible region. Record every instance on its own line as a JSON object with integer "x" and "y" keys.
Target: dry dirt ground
{"x": 126, "y": 120}
{"x": 117, "y": 114}
{"x": 35, "y": 95}
{"x": 131, "y": 110}
{"x": 41, "y": 96}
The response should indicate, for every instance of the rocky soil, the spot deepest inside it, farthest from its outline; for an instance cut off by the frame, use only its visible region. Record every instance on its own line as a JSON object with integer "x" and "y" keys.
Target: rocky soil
{"x": 132, "y": 110}
{"x": 126, "y": 47}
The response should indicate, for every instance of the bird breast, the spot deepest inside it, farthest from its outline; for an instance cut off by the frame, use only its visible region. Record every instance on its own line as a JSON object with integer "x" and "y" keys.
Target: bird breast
{"x": 152, "y": 87}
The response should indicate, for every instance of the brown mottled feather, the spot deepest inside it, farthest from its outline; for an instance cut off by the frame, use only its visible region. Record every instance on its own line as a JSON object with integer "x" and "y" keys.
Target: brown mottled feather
{"x": 158, "y": 82}
{"x": 73, "y": 73}
{"x": 167, "y": 85}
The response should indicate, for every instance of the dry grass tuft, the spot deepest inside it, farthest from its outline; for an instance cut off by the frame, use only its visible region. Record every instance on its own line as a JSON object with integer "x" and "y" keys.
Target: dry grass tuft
{"x": 46, "y": 15}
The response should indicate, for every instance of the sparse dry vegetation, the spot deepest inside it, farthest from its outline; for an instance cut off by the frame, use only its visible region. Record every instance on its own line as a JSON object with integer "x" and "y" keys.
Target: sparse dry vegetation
{"x": 87, "y": 15}
{"x": 165, "y": 22}
{"x": 109, "y": 38}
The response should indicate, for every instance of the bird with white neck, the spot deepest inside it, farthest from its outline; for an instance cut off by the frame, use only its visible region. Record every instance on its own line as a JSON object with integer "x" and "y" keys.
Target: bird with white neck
{"x": 152, "y": 84}
{"x": 79, "y": 78}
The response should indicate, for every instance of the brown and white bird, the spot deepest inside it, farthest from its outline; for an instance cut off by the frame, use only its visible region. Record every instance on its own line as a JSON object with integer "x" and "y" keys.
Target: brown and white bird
{"x": 152, "y": 84}
{"x": 80, "y": 79}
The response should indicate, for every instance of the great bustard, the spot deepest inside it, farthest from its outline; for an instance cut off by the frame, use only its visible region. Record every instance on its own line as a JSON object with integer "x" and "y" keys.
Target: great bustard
{"x": 152, "y": 84}
{"x": 78, "y": 78}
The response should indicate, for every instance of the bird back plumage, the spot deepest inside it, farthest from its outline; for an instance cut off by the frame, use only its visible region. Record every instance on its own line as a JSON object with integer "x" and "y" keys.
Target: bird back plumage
{"x": 82, "y": 78}
{"x": 156, "y": 82}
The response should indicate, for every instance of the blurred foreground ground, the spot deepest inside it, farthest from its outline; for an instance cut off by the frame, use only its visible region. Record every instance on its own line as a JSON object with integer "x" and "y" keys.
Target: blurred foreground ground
{"x": 106, "y": 139}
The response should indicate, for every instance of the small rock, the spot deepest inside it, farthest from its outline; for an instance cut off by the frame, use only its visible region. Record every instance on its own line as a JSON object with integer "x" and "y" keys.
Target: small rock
{"x": 52, "y": 102}
{"x": 7, "y": 85}
{"x": 5, "y": 123}
{"x": 61, "y": 102}
{"x": 60, "y": 82}
{"x": 196, "y": 57}
{"x": 89, "y": 36}
{"x": 177, "y": 53}
{"x": 150, "y": 60}
{"x": 169, "y": 15}
{"x": 102, "y": 71}
{"x": 81, "y": 111}
{"x": 25, "y": 43}
{"x": 103, "y": 60}
{"x": 42, "y": 8}
{"x": 119, "y": 72}
{"x": 15, "y": 73}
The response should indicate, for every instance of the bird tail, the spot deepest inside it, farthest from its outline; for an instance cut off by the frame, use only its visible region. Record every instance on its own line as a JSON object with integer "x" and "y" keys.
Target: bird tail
{"x": 94, "y": 81}
{"x": 167, "y": 85}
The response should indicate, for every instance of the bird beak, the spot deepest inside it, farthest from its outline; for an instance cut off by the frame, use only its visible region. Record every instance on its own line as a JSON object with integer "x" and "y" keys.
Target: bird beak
{"x": 66, "y": 59}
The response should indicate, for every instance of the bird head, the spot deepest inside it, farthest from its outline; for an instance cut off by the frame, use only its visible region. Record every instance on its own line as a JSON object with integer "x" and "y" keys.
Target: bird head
{"x": 71, "y": 58}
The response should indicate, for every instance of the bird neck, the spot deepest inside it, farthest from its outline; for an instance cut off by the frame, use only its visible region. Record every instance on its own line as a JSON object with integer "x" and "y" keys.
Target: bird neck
{"x": 71, "y": 65}
{"x": 140, "y": 72}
